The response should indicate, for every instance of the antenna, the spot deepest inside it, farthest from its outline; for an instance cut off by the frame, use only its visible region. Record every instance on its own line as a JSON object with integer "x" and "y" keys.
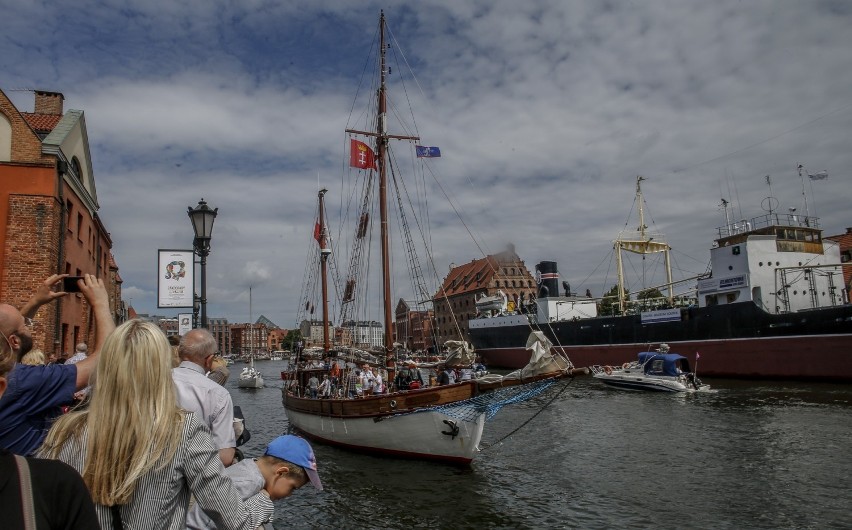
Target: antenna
{"x": 801, "y": 169}
{"x": 770, "y": 197}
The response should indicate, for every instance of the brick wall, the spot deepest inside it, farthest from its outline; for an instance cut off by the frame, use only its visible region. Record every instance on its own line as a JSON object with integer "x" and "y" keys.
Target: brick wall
{"x": 30, "y": 256}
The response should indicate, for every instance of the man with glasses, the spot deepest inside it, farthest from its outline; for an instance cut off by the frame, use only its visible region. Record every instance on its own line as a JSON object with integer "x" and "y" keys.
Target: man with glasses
{"x": 35, "y": 394}
{"x": 197, "y": 393}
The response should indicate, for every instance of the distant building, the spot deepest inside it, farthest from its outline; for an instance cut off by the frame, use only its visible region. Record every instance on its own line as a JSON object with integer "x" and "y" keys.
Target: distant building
{"x": 366, "y": 334}
{"x": 50, "y": 223}
{"x": 221, "y": 331}
{"x": 413, "y": 328}
{"x": 276, "y": 336}
{"x": 312, "y": 332}
{"x": 455, "y": 301}
{"x": 249, "y": 339}
{"x": 844, "y": 242}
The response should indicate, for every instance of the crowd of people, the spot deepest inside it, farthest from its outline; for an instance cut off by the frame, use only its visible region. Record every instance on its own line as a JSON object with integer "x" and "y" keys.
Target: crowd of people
{"x": 167, "y": 424}
{"x": 325, "y": 379}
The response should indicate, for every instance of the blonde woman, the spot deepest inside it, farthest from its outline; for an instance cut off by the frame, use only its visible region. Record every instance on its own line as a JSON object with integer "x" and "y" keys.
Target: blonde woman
{"x": 33, "y": 358}
{"x": 139, "y": 454}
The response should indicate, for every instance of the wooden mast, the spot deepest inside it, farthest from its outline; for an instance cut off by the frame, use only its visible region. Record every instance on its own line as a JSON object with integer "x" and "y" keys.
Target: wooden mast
{"x": 325, "y": 252}
{"x": 382, "y": 137}
{"x": 381, "y": 155}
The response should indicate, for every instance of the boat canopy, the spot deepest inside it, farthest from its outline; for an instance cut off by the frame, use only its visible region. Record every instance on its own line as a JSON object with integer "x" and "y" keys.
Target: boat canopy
{"x": 656, "y": 363}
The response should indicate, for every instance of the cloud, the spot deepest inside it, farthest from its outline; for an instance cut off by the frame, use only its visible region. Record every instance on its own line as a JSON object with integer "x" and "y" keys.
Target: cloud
{"x": 545, "y": 113}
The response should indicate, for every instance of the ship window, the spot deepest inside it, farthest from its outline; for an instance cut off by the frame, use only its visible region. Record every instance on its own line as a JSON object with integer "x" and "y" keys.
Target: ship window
{"x": 735, "y": 250}
{"x": 760, "y": 264}
{"x": 730, "y": 267}
{"x": 795, "y": 292}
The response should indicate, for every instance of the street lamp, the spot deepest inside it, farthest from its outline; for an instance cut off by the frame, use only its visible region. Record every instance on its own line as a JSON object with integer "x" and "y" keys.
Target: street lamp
{"x": 202, "y": 218}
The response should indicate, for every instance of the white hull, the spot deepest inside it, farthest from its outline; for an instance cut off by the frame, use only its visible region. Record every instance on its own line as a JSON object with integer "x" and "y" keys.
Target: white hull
{"x": 639, "y": 381}
{"x": 255, "y": 381}
{"x": 418, "y": 435}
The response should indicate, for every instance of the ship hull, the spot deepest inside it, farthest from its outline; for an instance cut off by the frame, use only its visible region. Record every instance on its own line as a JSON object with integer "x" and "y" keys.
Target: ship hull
{"x": 735, "y": 340}
{"x": 396, "y": 424}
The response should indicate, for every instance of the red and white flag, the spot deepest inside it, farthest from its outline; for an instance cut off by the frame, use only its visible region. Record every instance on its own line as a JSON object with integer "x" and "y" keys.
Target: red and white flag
{"x": 361, "y": 156}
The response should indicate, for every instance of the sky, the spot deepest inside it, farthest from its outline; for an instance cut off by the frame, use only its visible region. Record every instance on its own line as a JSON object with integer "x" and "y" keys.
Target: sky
{"x": 545, "y": 113}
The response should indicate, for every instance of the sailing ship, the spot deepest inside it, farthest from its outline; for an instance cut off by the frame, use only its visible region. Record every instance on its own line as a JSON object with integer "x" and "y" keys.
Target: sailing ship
{"x": 250, "y": 377}
{"x": 443, "y": 423}
{"x": 772, "y": 306}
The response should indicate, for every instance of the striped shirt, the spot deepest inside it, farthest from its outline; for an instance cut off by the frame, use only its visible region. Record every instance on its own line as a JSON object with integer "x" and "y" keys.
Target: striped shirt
{"x": 162, "y": 495}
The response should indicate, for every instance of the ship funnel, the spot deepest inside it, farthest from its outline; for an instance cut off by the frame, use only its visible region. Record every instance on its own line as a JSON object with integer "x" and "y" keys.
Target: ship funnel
{"x": 547, "y": 277}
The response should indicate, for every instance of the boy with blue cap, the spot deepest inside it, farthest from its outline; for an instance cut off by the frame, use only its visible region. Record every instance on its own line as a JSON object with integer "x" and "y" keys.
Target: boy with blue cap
{"x": 287, "y": 465}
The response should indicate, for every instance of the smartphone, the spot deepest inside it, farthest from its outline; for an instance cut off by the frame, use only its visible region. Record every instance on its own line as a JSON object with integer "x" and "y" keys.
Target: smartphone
{"x": 69, "y": 284}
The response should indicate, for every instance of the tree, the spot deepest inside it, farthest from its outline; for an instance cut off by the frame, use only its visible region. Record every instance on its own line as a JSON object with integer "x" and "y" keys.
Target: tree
{"x": 645, "y": 294}
{"x": 289, "y": 341}
{"x": 609, "y": 302}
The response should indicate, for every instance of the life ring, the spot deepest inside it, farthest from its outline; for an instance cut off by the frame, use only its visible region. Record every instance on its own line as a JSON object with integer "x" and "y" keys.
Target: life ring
{"x": 625, "y": 366}
{"x": 608, "y": 370}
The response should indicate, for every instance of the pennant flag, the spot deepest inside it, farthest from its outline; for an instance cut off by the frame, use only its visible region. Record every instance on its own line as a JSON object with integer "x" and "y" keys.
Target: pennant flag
{"x": 427, "y": 152}
{"x": 317, "y": 232}
{"x": 822, "y": 175}
{"x": 361, "y": 156}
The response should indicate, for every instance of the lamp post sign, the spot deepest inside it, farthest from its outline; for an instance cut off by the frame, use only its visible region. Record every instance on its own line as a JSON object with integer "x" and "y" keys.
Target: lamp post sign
{"x": 175, "y": 278}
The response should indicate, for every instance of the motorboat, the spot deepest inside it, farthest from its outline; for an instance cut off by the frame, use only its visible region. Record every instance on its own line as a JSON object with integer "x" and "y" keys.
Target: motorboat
{"x": 658, "y": 371}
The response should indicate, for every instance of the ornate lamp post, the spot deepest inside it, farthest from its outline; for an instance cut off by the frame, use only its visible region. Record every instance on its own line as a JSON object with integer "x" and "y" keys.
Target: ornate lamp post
{"x": 202, "y": 218}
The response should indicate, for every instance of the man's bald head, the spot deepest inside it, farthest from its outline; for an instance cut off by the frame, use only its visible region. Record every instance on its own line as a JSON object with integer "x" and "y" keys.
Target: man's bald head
{"x": 196, "y": 346}
{"x": 14, "y": 327}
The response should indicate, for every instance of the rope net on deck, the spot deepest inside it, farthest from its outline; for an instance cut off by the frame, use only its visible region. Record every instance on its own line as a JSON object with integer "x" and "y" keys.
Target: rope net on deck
{"x": 489, "y": 403}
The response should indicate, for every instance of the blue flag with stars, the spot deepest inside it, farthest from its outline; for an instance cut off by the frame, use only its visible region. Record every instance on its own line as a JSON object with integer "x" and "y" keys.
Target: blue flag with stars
{"x": 427, "y": 152}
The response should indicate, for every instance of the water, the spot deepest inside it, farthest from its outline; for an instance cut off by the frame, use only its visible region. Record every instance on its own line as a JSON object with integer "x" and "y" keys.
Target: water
{"x": 746, "y": 455}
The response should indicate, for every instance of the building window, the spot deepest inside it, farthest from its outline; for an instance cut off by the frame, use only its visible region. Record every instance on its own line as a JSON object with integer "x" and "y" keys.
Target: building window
{"x": 80, "y": 227}
{"x": 78, "y": 171}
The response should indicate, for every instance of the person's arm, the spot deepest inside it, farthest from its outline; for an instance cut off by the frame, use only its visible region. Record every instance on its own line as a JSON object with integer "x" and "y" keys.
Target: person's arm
{"x": 43, "y": 295}
{"x": 227, "y": 455}
{"x": 213, "y": 490}
{"x": 96, "y": 294}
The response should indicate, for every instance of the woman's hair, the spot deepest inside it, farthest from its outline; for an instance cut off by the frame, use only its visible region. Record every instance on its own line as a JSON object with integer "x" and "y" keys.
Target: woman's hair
{"x": 33, "y": 358}
{"x": 133, "y": 420}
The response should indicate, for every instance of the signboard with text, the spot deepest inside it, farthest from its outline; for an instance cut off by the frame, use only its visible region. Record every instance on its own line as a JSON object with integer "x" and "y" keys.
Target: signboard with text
{"x": 175, "y": 278}
{"x": 184, "y": 323}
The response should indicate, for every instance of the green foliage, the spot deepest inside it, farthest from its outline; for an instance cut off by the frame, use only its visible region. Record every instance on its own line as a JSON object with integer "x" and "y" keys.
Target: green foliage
{"x": 289, "y": 341}
{"x": 609, "y": 302}
{"x": 653, "y": 292}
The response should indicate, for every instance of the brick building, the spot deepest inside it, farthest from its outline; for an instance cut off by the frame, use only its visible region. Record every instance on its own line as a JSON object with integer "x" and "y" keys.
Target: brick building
{"x": 844, "y": 241}
{"x": 49, "y": 208}
{"x": 249, "y": 339}
{"x": 413, "y": 328}
{"x": 455, "y": 302}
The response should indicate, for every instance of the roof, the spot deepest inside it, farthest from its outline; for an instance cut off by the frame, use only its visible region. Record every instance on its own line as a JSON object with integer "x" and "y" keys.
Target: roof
{"x": 469, "y": 277}
{"x": 670, "y": 363}
{"x": 41, "y": 123}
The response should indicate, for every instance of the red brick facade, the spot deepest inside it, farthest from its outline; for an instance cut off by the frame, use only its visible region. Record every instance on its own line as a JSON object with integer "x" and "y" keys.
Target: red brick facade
{"x": 48, "y": 226}
{"x": 455, "y": 302}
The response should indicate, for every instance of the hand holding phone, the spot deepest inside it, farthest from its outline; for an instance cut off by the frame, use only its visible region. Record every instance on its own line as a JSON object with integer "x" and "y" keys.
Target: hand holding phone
{"x": 69, "y": 284}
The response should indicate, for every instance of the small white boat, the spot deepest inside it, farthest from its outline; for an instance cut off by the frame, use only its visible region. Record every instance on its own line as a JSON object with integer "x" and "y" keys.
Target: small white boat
{"x": 250, "y": 377}
{"x": 658, "y": 371}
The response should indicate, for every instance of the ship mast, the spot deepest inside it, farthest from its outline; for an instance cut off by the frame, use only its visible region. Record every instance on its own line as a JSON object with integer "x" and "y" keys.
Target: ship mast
{"x": 381, "y": 135}
{"x": 641, "y": 245}
{"x": 325, "y": 252}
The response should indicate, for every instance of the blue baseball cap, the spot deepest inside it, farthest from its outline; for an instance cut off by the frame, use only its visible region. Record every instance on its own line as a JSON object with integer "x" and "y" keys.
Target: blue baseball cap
{"x": 297, "y": 450}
